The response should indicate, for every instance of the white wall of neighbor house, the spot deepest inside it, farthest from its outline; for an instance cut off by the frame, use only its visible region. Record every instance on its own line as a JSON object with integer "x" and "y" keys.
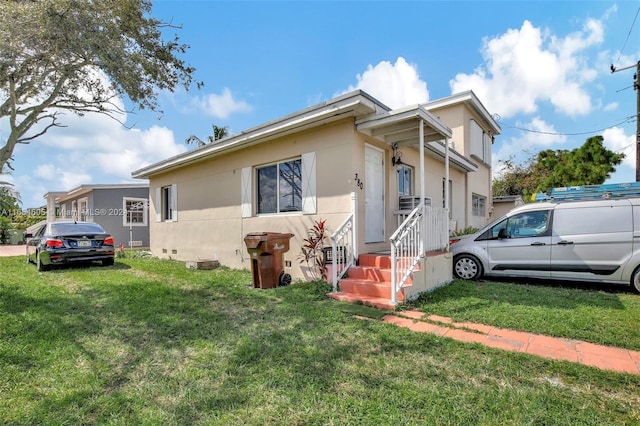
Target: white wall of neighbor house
{"x": 209, "y": 223}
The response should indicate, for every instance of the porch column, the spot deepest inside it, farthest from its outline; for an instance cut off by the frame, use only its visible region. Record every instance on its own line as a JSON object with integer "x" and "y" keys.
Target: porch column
{"x": 446, "y": 186}
{"x": 423, "y": 225}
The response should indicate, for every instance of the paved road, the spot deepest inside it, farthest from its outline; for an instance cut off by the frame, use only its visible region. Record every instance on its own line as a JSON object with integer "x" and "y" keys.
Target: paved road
{"x": 18, "y": 250}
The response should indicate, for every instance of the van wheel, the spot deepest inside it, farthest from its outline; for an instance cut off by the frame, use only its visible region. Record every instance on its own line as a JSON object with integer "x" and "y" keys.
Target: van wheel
{"x": 635, "y": 280}
{"x": 467, "y": 267}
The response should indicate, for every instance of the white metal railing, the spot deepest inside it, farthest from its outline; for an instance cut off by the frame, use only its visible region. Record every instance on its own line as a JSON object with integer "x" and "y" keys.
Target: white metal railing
{"x": 425, "y": 229}
{"x": 406, "y": 250}
{"x": 437, "y": 229}
{"x": 343, "y": 249}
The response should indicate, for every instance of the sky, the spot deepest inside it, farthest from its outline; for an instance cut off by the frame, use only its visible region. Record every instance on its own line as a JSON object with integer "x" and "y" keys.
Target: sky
{"x": 542, "y": 69}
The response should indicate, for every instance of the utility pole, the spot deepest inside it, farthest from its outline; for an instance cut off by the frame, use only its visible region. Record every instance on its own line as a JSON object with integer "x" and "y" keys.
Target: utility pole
{"x": 636, "y": 87}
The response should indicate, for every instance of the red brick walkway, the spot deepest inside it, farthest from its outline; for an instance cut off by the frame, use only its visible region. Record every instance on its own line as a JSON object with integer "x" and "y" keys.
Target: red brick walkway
{"x": 603, "y": 357}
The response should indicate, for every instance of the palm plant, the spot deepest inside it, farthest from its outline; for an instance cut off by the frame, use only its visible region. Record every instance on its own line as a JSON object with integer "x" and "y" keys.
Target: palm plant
{"x": 218, "y": 133}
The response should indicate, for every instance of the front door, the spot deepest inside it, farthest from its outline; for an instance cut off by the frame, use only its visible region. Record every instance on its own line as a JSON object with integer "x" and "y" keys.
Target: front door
{"x": 374, "y": 194}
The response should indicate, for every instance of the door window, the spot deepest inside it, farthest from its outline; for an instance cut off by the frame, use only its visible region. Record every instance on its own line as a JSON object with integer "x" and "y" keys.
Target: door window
{"x": 523, "y": 225}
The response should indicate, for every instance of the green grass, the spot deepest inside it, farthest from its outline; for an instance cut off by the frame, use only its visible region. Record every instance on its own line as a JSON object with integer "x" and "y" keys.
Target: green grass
{"x": 152, "y": 342}
{"x": 592, "y": 314}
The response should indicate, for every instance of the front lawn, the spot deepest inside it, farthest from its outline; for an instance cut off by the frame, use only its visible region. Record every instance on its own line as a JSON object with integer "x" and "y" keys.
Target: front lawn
{"x": 152, "y": 342}
{"x": 601, "y": 314}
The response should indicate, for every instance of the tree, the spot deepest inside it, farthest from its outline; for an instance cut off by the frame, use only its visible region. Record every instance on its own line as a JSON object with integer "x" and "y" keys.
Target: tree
{"x": 590, "y": 164}
{"x": 9, "y": 202}
{"x": 78, "y": 56}
{"x": 218, "y": 133}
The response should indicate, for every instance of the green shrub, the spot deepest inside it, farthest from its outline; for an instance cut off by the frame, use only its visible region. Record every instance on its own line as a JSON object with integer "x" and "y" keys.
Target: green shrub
{"x": 466, "y": 231}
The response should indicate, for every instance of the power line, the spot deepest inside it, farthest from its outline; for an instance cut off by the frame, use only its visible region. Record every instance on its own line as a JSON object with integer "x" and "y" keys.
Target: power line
{"x": 629, "y": 34}
{"x": 626, "y": 120}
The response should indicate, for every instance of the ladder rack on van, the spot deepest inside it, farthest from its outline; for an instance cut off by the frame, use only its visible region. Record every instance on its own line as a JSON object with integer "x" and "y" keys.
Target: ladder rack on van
{"x": 590, "y": 192}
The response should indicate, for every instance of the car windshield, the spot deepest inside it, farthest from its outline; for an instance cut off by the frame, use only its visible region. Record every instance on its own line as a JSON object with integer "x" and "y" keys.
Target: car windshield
{"x": 76, "y": 228}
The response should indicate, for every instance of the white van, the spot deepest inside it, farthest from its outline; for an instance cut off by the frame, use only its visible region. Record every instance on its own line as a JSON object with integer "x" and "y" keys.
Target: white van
{"x": 595, "y": 240}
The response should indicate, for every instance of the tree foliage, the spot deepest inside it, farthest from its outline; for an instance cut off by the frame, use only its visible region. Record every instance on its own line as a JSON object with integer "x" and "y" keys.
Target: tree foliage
{"x": 79, "y": 56}
{"x": 590, "y": 164}
{"x": 9, "y": 202}
{"x": 218, "y": 133}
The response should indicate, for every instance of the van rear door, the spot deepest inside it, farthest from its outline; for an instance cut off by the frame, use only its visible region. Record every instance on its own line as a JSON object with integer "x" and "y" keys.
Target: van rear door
{"x": 591, "y": 240}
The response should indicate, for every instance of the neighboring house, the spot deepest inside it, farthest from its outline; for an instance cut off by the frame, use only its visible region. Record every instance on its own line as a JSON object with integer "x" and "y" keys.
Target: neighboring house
{"x": 503, "y": 204}
{"x": 121, "y": 209}
{"x": 349, "y": 159}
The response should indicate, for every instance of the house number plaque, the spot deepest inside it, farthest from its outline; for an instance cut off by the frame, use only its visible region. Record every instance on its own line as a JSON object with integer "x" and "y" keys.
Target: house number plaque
{"x": 359, "y": 182}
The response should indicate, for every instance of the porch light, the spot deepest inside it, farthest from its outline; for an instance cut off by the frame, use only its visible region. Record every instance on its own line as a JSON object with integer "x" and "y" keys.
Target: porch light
{"x": 396, "y": 157}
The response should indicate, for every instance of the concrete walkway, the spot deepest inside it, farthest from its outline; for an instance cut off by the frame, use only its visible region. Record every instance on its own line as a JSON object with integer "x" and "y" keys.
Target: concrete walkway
{"x": 603, "y": 357}
{"x": 19, "y": 250}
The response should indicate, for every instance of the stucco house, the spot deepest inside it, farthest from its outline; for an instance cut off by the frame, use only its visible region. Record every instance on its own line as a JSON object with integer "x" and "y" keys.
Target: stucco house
{"x": 503, "y": 204}
{"x": 121, "y": 209}
{"x": 352, "y": 161}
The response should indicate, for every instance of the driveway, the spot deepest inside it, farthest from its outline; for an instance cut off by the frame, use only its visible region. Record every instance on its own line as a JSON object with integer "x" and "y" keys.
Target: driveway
{"x": 18, "y": 250}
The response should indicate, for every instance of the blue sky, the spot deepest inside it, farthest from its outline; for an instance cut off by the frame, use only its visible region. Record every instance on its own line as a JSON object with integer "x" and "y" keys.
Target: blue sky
{"x": 541, "y": 67}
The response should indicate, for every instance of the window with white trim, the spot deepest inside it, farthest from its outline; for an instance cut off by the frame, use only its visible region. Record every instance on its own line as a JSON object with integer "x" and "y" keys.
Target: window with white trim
{"x": 279, "y": 187}
{"x": 168, "y": 197}
{"x": 405, "y": 179}
{"x": 135, "y": 211}
{"x": 83, "y": 209}
{"x": 478, "y": 205}
{"x": 444, "y": 197}
{"x": 480, "y": 142}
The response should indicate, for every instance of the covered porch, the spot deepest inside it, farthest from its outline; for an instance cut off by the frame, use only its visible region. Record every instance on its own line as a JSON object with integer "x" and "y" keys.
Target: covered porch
{"x": 417, "y": 258}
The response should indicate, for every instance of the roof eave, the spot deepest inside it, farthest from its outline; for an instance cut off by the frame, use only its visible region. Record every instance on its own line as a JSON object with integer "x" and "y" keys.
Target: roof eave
{"x": 470, "y": 99}
{"x": 353, "y": 104}
{"x": 455, "y": 158}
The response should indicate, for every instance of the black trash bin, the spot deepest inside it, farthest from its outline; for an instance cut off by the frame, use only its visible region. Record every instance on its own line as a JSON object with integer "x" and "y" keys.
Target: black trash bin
{"x": 266, "y": 250}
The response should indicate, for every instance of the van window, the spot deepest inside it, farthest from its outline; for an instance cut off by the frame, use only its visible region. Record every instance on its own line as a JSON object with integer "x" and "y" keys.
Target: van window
{"x": 592, "y": 220}
{"x": 523, "y": 225}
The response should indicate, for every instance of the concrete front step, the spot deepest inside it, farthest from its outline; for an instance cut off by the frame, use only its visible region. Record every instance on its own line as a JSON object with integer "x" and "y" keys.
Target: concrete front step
{"x": 376, "y": 302}
{"x": 372, "y": 273}
{"x": 369, "y": 288}
{"x": 373, "y": 259}
{"x": 369, "y": 283}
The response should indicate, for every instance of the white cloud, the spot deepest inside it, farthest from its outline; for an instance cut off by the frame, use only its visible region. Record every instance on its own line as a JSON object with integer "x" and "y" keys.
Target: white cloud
{"x": 91, "y": 149}
{"x": 541, "y": 135}
{"x": 611, "y": 106}
{"x": 396, "y": 85}
{"x": 616, "y": 140}
{"x": 530, "y": 65}
{"x": 220, "y": 106}
{"x": 66, "y": 177}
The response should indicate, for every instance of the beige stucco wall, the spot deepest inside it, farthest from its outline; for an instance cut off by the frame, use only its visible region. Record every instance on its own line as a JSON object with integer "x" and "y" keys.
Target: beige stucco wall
{"x": 478, "y": 182}
{"x": 434, "y": 272}
{"x": 209, "y": 224}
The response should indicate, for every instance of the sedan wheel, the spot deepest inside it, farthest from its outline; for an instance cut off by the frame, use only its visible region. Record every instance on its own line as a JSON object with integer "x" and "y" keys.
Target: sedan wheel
{"x": 467, "y": 267}
{"x": 39, "y": 265}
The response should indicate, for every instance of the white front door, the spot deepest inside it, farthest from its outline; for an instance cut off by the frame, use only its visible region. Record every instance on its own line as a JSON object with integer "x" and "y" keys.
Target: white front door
{"x": 374, "y": 194}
